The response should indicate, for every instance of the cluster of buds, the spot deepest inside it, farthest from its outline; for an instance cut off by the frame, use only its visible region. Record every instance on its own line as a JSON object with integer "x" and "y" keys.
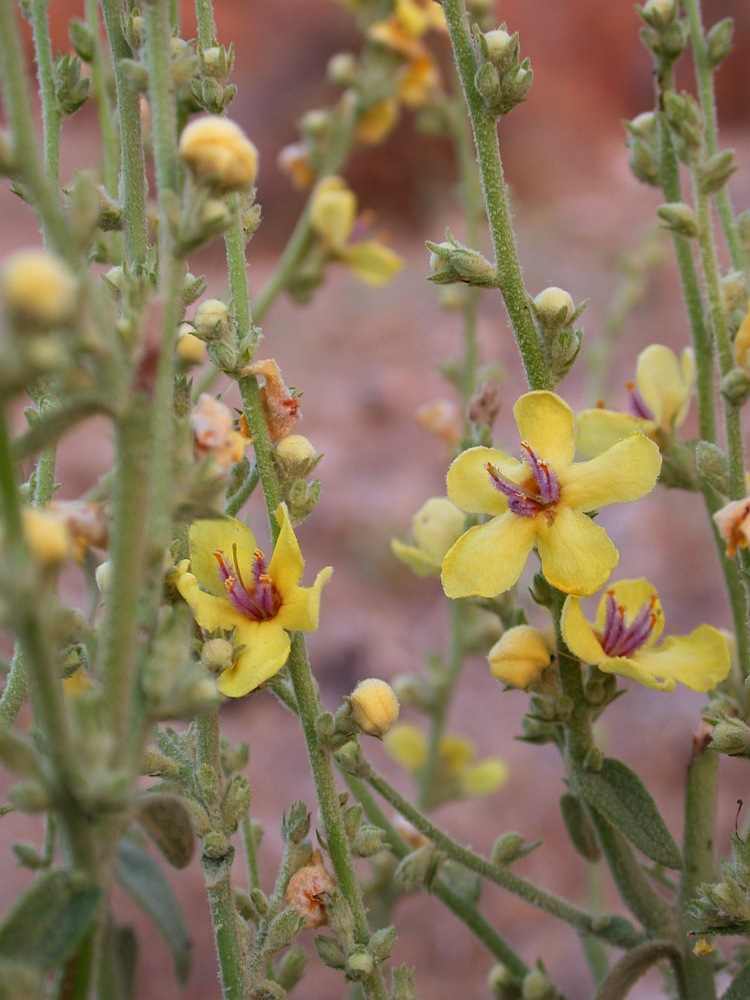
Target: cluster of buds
{"x": 535, "y": 985}
{"x": 555, "y": 315}
{"x": 209, "y": 87}
{"x": 501, "y": 79}
{"x": 213, "y": 323}
{"x": 643, "y": 148}
{"x": 725, "y": 906}
{"x": 451, "y": 261}
{"x": 663, "y": 31}
{"x": 295, "y": 458}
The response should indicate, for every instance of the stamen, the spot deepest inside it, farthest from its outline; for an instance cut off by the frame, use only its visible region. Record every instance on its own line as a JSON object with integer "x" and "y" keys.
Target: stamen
{"x": 236, "y": 562}
{"x": 621, "y": 639}
{"x": 258, "y": 602}
{"x": 540, "y": 492}
{"x": 638, "y": 405}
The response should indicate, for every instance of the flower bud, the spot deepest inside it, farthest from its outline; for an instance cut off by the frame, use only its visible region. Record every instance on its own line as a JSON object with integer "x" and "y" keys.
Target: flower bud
{"x": 712, "y": 466}
{"x": 679, "y": 217}
{"x": 732, "y": 737}
{"x": 342, "y": 69}
{"x": 39, "y": 289}
{"x": 103, "y": 577}
{"x": 217, "y": 655}
{"x": 536, "y": 985}
{"x": 659, "y": 14}
{"x": 47, "y": 537}
{"x": 219, "y": 153}
{"x": 211, "y": 320}
{"x": 502, "y": 984}
{"x": 374, "y": 707}
{"x": 735, "y": 386}
{"x": 520, "y": 656}
{"x": 189, "y": 348}
{"x": 506, "y": 848}
{"x": 733, "y": 291}
{"x": 716, "y": 171}
{"x": 359, "y": 964}
{"x": 554, "y": 306}
{"x": 719, "y": 42}
{"x": 498, "y": 43}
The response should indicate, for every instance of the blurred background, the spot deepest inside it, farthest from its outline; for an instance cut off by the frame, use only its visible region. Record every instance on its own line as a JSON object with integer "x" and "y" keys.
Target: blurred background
{"x": 365, "y": 361}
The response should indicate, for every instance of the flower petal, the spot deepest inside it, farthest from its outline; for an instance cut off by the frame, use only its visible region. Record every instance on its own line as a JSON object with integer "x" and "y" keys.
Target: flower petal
{"x": 665, "y": 383}
{"x": 599, "y": 429}
{"x": 624, "y": 666}
{"x": 626, "y": 471}
{"x": 546, "y": 422}
{"x": 287, "y": 564}
{"x": 488, "y": 559}
{"x": 579, "y": 636}
{"x": 469, "y": 483}
{"x": 632, "y": 595}
{"x": 699, "y": 660}
{"x": 418, "y": 560}
{"x": 372, "y": 262}
{"x": 300, "y": 606}
{"x": 221, "y": 533}
{"x": 265, "y": 653}
{"x": 577, "y": 554}
{"x": 210, "y": 612}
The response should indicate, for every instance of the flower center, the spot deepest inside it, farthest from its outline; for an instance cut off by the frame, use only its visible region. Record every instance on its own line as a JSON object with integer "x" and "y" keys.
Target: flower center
{"x": 258, "y": 601}
{"x": 638, "y": 405}
{"x": 536, "y": 495}
{"x": 620, "y": 639}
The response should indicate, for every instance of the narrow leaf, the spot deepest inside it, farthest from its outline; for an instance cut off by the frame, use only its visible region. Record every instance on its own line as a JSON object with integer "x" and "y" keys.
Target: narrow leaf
{"x": 117, "y": 965}
{"x": 48, "y": 920}
{"x": 144, "y": 881}
{"x": 166, "y": 820}
{"x": 622, "y": 799}
{"x": 739, "y": 988}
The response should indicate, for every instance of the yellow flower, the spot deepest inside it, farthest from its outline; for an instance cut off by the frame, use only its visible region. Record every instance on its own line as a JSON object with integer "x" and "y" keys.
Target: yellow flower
{"x": 659, "y": 402}
{"x": 333, "y": 215}
{"x": 228, "y": 585}
{"x": 419, "y": 82}
{"x": 543, "y": 501}
{"x": 377, "y": 122}
{"x": 436, "y": 526}
{"x": 629, "y": 621}
{"x": 219, "y": 153}
{"x": 520, "y": 656}
{"x": 458, "y": 769}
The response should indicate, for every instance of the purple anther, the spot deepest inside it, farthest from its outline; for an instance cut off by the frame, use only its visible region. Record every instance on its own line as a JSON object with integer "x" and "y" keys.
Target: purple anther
{"x": 259, "y": 603}
{"x": 547, "y": 483}
{"x": 523, "y": 500}
{"x": 619, "y": 639}
{"x": 638, "y": 405}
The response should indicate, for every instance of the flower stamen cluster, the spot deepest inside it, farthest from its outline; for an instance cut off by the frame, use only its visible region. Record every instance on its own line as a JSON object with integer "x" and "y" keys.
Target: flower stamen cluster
{"x": 260, "y": 601}
{"x": 620, "y": 638}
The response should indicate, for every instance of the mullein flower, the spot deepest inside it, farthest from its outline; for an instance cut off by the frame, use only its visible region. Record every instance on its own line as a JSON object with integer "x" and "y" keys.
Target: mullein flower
{"x": 622, "y": 640}
{"x": 435, "y": 527}
{"x": 228, "y": 585}
{"x": 38, "y": 288}
{"x": 542, "y": 501}
{"x": 333, "y": 214}
{"x": 457, "y": 763}
{"x": 659, "y": 401}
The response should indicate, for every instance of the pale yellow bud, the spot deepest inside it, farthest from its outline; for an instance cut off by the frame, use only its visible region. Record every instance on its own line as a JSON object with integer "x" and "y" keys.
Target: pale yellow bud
{"x": 211, "y": 320}
{"x": 39, "y": 288}
{"x": 217, "y": 655}
{"x": 497, "y": 43}
{"x": 374, "y": 706}
{"x": 295, "y": 449}
{"x": 218, "y": 152}
{"x": 103, "y": 577}
{"x": 552, "y": 300}
{"x": 190, "y": 348}
{"x": 47, "y": 537}
{"x": 519, "y": 656}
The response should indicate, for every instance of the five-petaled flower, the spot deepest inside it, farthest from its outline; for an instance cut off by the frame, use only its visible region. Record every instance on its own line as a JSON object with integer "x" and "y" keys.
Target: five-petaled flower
{"x": 543, "y": 501}
{"x": 629, "y": 621}
{"x": 228, "y": 585}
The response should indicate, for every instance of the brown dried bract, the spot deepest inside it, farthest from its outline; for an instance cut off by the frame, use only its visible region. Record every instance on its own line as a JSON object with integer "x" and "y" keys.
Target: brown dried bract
{"x": 305, "y": 891}
{"x": 279, "y": 404}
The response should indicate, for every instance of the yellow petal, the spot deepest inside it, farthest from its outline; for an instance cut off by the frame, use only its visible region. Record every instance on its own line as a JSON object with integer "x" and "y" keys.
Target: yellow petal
{"x": 377, "y": 122}
{"x": 300, "y": 607}
{"x": 579, "y": 636}
{"x": 626, "y": 471}
{"x": 633, "y": 595}
{"x": 371, "y": 262}
{"x": 333, "y": 210}
{"x": 577, "y": 555}
{"x": 547, "y": 423}
{"x": 700, "y": 660}
{"x": 625, "y": 666}
{"x": 219, "y": 534}
{"x": 484, "y": 778}
{"x": 407, "y": 745}
{"x": 419, "y": 82}
{"x": 265, "y": 653}
{"x": 287, "y": 564}
{"x": 436, "y": 526}
{"x": 489, "y": 558}
{"x": 210, "y": 612}
{"x": 455, "y": 753}
{"x": 665, "y": 383}
{"x": 599, "y": 429}
{"x": 418, "y": 560}
{"x": 470, "y": 486}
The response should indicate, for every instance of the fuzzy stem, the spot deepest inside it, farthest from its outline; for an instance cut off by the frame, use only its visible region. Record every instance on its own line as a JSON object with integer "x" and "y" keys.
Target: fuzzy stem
{"x": 105, "y": 110}
{"x": 51, "y": 116}
{"x": 251, "y": 854}
{"x": 496, "y": 202}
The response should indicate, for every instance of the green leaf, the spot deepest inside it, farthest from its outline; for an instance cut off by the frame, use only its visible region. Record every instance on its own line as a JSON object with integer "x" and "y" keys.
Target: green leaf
{"x": 166, "y": 820}
{"x": 118, "y": 961}
{"x": 19, "y": 982}
{"x": 144, "y": 881}
{"x": 579, "y": 827}
{"x": 739, "y": 988}
{"x": 621, "y": 798}
{"x": 47, "y": 922}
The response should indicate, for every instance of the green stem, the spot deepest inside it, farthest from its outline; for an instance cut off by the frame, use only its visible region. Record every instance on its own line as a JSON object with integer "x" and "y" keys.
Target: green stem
{"x": 217, "y": 876}
{"x": 502, "y": 876}
{"x": 704, "y": 77}
{"x": 51, "y": 117}
{"x": 242, "y": 494}
{"x": 700, "y": 819}
{"x": 630, "y": 968}
{"x": 132, "y": 171}
{"x": 251, "y": 854}
{"x": 204, "y": 12}
{"x": 104, "y": 106}
{"x": 507, "y": 264}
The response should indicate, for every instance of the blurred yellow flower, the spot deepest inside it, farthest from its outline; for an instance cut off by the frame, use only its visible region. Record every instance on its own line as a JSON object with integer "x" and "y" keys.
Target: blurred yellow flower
{"x": 333, "y": 215}
{"x": 542, "y": 501}
{"x": 629, "y": 621}
{"x": 659, "y": 402}
{"x": 377, "y": 122}
{"x": 435, "y": 527}
{"x": 228, "y": 585}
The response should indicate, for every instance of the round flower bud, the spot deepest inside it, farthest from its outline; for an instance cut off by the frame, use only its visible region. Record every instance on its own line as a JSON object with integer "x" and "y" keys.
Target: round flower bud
{"x": 47, "y": 537}
{"x": 536, "y": 986}
{"x": 190, "y": 348}
{"x": 497, "y": 43}
{"x": 659, "y": 13}
{"x": 211, "y": 320}
{"x": 519, "y": 656}
{"x": 39, "y": 288}
{"x": 103, "y": 576}
{"x": 551, "y": 301}
{"x": 219, "y": 153}
{"x": 295, "y": 449}
{"x": 217, "y": 655}
{"x": 374, "y": 707}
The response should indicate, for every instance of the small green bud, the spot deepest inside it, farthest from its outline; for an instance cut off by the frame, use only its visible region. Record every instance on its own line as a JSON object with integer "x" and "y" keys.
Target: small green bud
{"x": 82, "y": 39}
{"x": 260, "y": 901}
{"x": 329, "y": 952}
{"x": 236, "y": 801}
{"x": 342, "y": 70}
{"x": 643, "y": 162}
{"x": 452, "y": 261}
{"x": 732, "y": 737}
{"x": 500, "y": 49}
{"x": 29, "y": 797}
{"x": 659, "y": 14}
{"x": 685, "y": 120}
{"x": 353, "y": 761}
{"x": 367, "y": 841}
{"x": 594, "y": 760}
{"x": 419, "y": 868}
{"x": 719, "y": 42}
{"x": 563, "y": 351}
{"x": 215, "y": 845}
{"x": 192, "y": 288}
{"x": 403, "y": 986}
{"x": 506, "y": 848}
{"x": 679, "y": 217}
{"x": 291, "y": 968}
{"x": 359, "y": 964}
{"x": 284, "y": 929}
{"x": 325, "y": 727}
{"x": 716, "y": 171}
{"x": 353, "y": 819}
{"x": 223, "y": 355}
{"x": 217, "y": 655}
{"x": 502, "y": 984}
{"x": 487, "y": 82}
{"x": 71, "y": 90}
{"x": 28, "y": 856}
{"x": 381, "y": 943}
{"x": 712, "y": 465}
{"x": 735, "y": 387}
{"x": 295, "y": 823}
{"x": 211, "y": 320}
{"x": 536, "y": 986}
